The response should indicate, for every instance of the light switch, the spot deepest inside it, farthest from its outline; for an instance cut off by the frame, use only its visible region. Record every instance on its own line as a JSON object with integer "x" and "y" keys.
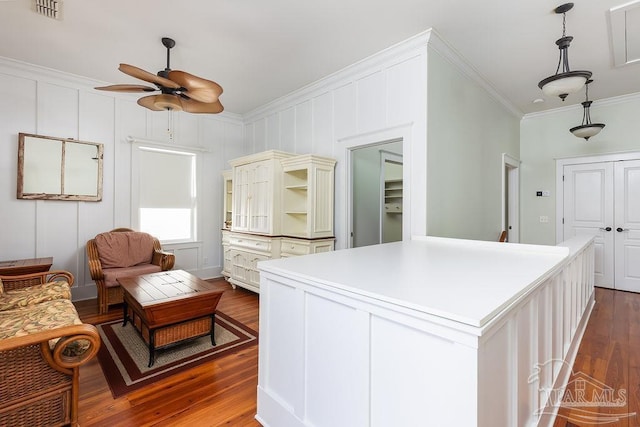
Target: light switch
{"x": 544, "y": 218}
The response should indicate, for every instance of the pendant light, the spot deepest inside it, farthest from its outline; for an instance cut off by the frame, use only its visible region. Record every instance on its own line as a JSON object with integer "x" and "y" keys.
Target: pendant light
{"x": 587, "y": 129}
{"x": 566, "y": 82}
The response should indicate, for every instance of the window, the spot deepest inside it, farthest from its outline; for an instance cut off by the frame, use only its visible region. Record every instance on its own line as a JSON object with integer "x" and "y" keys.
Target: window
{"x": 167, "y": 194}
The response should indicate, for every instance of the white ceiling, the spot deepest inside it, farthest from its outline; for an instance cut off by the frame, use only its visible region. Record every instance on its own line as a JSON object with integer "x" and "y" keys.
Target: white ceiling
{"x": 259, "y": 50}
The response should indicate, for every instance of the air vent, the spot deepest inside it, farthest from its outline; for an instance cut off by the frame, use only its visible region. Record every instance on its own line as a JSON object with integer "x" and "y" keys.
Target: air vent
{"x": 625, "y": 39}
{"x": 49, "y": 8}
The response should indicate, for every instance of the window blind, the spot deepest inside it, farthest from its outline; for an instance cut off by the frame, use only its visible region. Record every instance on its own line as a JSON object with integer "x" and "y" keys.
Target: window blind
{"x": 166, "y": 179}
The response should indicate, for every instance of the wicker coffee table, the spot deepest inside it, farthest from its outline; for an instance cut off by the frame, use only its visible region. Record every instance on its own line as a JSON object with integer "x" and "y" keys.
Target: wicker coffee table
{"x": 169, "y": 307}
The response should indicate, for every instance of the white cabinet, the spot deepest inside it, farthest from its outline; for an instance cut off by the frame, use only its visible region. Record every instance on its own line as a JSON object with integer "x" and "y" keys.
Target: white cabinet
{"x": 227, "y": 192}
{"x": 226, "y": 254}
{"x": 295, "y": 247}
{"x": 246, "y": 250}
{"x": 307, "y": 199}
{"x": 256, "y": 192}
{"x": 281, "y": 205}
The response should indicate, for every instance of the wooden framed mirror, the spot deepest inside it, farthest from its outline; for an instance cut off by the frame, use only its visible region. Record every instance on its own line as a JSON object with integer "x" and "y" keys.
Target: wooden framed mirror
{"x": 52, "y": 168}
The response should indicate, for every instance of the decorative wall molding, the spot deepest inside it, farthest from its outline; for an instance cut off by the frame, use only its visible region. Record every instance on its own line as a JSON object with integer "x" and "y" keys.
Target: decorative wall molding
{"x": 395, "y": 54}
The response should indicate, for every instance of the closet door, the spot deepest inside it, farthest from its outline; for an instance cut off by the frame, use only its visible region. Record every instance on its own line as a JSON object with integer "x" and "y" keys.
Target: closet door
{"x": 588, "y": 210}
{"x": 627, "y": 225}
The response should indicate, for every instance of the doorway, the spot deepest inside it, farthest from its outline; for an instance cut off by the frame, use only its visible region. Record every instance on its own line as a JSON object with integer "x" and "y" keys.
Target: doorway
{"x": 511, "y": 197}
{"x": 602, "y": 199}
{"x": 376, "y": 188}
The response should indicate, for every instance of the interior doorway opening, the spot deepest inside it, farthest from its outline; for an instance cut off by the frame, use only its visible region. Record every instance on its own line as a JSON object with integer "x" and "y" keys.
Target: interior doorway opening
{"x": 377, "y": 196}
{"x": 511, "y": 198}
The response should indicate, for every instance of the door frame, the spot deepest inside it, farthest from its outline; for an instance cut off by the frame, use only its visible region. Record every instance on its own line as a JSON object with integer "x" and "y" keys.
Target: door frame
{"x": 581, "y": 160}
{"x": 512, "y": 195}
{"x": 383, "y": 136}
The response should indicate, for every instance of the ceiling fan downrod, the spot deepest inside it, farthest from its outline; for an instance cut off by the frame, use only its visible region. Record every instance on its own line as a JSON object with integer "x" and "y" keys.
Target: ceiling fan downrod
{"x": 168, "y": 43}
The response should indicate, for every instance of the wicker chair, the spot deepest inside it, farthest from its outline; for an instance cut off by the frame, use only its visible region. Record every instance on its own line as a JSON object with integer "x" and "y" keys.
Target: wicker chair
{"x": 110, "y": 293}
{"x": 39, "y": 371}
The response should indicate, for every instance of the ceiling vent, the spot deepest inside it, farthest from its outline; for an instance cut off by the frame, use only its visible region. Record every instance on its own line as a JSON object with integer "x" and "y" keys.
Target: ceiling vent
{"x": 625, "y": 38}
{"x": 49, "y": 8}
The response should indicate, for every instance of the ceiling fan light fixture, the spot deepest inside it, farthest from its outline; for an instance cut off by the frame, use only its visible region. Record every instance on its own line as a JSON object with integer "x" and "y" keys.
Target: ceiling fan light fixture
{"x": 587, "y": 129}
{"x": 563, "y": 83}
{"x": 168, "y": 102}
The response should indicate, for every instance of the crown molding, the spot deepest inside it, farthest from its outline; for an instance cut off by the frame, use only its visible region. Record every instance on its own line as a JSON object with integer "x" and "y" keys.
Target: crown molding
{"x": 614, "y": 100}
{"x": 448, "y": 52}
{"x": 37, "y": 72}
{"x": 400, "y": 52}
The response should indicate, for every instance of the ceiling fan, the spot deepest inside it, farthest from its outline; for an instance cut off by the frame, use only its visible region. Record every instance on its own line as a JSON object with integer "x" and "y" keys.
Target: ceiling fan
{"x": 179, "y": 90}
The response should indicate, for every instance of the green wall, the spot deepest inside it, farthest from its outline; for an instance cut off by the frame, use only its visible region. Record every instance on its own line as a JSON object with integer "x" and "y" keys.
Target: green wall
{"x": 545, "y": 137}
{"x": 468, "y": 130}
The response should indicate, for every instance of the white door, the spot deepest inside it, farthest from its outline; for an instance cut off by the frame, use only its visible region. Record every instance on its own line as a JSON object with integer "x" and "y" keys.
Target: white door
{"x": 603, "y": 200}
{"x": 627, "y": 225}
{"x": 588, "y": 210}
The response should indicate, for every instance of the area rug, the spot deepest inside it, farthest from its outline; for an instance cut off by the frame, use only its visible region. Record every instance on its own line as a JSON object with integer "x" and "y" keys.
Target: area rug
{"x": 124, "y": 356}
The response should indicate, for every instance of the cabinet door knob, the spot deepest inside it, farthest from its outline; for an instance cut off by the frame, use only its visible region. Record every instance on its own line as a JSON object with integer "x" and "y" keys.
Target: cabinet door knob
{"x": 605, "y": 229}
{"x": 620, "y": 229}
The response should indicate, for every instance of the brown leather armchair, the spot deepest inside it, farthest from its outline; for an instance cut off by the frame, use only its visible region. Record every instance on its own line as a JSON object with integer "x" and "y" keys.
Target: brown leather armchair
{"x": 119, "y": 253}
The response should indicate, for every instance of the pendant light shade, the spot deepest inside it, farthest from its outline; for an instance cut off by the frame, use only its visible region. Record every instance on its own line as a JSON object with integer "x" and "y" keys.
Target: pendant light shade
{"x": 587, "y": 129}
{"x": 563, "y": 83}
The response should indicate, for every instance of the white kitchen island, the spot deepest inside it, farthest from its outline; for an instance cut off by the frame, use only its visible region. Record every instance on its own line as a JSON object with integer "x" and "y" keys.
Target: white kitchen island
{"x": 428, "y": 332}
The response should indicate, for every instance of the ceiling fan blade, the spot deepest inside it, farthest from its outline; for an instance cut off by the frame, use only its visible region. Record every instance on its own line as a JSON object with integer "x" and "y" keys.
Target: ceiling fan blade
{"x": 193, "y": 106}
{"x": 127, "y": 88}
{"x": 141, "y": 74}
{"x": 149, "y": 102}
{"x": 196, "y": 87}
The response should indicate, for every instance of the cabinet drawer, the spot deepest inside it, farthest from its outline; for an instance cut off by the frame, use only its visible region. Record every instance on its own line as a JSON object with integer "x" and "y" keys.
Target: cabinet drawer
{"x": 250, "y": 242}
{"x": 293, "y": 247}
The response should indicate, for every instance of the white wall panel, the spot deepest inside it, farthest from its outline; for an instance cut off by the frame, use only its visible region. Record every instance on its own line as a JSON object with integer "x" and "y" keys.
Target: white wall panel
{"x": 57, "y": 221}
{"x": 96, "y": 124}
{"x": 233, "y": 142}
{"x": 57, "y": 233}
{"x": 17, "y": 217}
{"x": 288, "y": 130}
{"x": 344, "y": 111}
{"x": 159, "y": 124}
{"x": 131, "y": 121}
{"x": 248, "y": 136}
{"x": 304, "y": 144}
{"x": 322, "y": 132}
{"x": 372, "y": 102}
{"x": 403, "y": 92}
{"x": 57, "y": 111}
{"x": 210, "y": 185}
{"x": 273, "y": 132}
{"x": 186, "y": 129}
{"x": 259, "y": 136}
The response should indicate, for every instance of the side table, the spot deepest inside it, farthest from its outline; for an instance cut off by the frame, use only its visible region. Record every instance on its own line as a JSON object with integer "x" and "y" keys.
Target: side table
{"x": 25, "y": 266}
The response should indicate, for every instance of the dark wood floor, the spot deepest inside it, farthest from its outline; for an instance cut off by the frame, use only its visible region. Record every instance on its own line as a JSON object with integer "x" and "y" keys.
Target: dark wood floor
{"x": 218, "y": 393}
{"x": 608, "y": 357}
{"x": 223, "y": 392}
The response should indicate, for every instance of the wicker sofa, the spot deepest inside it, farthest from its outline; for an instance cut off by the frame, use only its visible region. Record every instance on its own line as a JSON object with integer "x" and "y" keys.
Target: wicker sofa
{"x": 42, "y": 345}
{"x": 120, "y": 253}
